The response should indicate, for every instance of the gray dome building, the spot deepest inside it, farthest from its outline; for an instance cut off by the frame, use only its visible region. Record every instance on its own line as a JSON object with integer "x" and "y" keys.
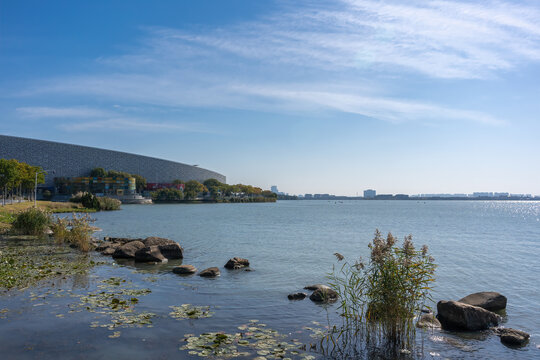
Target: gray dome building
{"x": 68, "y": 160}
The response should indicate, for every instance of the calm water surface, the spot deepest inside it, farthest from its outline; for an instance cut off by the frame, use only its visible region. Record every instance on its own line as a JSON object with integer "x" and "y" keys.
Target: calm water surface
{"x": 479, "y": 246}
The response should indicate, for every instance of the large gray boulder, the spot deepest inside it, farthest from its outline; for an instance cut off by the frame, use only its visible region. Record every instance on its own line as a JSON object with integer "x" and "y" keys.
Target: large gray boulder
{"x": 236, "y": 263}
{"x": 210, "y": 272}
{"x": 128, "y": 250}
{"x": 169, "y": 248}
{"x": 153, "y": 240}
{"x": 488, "y": 300}
{"x": 149, "y": 254}
{"x": 455, "y": 315}
{"x": 324, "y": 295}
{"x": 513, "y": 337}
{"x": 172, "y": 251}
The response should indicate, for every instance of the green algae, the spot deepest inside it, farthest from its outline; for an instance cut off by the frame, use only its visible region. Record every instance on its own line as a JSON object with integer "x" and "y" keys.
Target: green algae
{"x": 25, "y": 263}
{"x": 115, "y": 302}
{"x": 254, "y": 340}
{"x": 188, "y": 311}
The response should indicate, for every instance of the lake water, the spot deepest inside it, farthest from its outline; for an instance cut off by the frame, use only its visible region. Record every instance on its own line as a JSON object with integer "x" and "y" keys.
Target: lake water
{"x": 478, "y": 246}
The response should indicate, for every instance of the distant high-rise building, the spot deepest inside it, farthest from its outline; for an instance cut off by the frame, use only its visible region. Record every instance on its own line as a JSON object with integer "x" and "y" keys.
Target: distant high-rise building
{"x": 308, "y": 196}
{"x": 274, "y": 189}
{"x": 370, "y": 194}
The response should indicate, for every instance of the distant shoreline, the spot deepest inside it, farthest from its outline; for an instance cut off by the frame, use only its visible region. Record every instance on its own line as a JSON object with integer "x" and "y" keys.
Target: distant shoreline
{"x": 338, "y": 198}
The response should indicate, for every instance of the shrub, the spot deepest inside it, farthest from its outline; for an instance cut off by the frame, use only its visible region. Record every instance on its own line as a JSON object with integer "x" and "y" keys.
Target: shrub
{"x": 31, "y": 222}
{"x": 107, "y": 203}
{"x": 380, "y": 298}
{"x": 167, "y": 195}
{"x": 90, "y": 201}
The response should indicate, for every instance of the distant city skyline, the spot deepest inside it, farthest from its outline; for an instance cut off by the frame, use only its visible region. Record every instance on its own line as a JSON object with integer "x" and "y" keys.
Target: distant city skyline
{"x": 314, "y": 97}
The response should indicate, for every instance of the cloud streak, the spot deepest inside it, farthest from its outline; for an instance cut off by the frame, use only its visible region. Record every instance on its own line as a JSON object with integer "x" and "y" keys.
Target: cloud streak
{"x": 314, "y": 57}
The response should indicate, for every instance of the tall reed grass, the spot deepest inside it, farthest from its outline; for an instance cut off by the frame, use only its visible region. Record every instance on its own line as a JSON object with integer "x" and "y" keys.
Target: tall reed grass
{"x": 76, "y": 231}
{"x": 379, "y": 299}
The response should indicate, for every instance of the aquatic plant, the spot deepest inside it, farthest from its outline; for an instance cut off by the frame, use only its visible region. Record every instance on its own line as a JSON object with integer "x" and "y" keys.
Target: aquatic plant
{"x": 115, "y": 300}
{"x": 380, "y": 298}
{"x": 253, "y": 340}
{"x": 76, "y": 231}
{"x": 27, "y": 262}
{"x": 32, "y": 221}
{"x": 188, "y": 311}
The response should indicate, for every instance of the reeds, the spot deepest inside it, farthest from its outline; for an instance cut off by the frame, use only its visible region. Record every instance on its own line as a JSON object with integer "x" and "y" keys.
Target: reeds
{"x": 76, "y": 231}
{"x": 32, "y": 221}
{"x": 380, "y": 298}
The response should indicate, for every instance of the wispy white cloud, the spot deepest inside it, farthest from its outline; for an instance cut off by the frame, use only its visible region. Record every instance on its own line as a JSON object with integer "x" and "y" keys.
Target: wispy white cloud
{"x": 60, "y": 112}
{"x": 128, "y": 125}
{"x": 314, "y": 57}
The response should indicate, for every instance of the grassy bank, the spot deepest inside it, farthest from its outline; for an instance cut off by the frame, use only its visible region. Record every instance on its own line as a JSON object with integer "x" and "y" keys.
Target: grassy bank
{"x": 8, "y": 212}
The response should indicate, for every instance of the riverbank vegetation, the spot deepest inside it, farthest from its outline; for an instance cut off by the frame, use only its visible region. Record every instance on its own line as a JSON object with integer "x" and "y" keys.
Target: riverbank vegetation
{"x": 380, "y": 298}
{"x": 213, "y": 190}
{"x": 97, "y": 203}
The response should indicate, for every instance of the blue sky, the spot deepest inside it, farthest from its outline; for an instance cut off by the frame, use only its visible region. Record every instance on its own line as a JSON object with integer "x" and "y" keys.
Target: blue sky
{"x": 312, "y": 96}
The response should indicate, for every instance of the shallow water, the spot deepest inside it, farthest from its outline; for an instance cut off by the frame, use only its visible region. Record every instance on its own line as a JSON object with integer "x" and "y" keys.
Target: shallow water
{"x": 479, "y": 246}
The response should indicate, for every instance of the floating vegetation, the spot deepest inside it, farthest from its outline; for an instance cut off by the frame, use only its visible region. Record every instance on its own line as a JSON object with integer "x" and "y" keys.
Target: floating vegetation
{"x": 24, "y": 263}
{"x": 253, "y": 340}
{"x": 188, "y": 311}
{"x": 116, "y": 298}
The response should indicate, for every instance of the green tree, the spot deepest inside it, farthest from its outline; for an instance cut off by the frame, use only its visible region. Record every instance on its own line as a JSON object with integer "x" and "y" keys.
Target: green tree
{"x": 140, "y": 182}
{"x": 193, "y": 188}
{"x": 215, "y": 188}
{"x": 9, "y": 176}
{"x": 178, "y": 182}
{"x": 98, "y": 172}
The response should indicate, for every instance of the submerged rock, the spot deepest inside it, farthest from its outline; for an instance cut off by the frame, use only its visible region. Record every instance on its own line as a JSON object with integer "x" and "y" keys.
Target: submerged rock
{"x": 455, "y": 315}
{"x": 210, "y": 272}
{"x": 150, "y": 254}
{"x": 128, "y": 250}
{"x": 428, "y": 321}
{"x": 185, "y": 270}
{"x": 513, "y": 337}
{"x": 121, "y": 241}
{"x": 324, "y": 295}
{"x": 488, "y": 300}
{"x": 297, "y": 296}
{"x": 237, "y": 263}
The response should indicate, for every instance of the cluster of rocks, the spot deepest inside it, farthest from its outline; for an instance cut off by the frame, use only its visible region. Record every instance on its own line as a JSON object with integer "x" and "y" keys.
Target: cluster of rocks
{"x": 152, "y": 249}
{"x": 159, "y": 250}
{"x": 321, "y": 294}
{"x": 476, "y": 312}
{"x": 233, "y": 264}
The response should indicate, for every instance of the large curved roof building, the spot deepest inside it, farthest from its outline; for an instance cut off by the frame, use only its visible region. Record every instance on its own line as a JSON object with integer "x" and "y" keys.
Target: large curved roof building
{"x": 68, "y": 160}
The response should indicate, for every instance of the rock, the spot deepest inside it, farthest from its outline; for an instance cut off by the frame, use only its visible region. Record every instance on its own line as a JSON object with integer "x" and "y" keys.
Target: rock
{"x": 108, "y": 251}
{"x": 316, "y": 287}
{"x": 237, "y": 263}
{"x": 210, "y": 272}
{"x": 171, "y": 251}
{"x": 324, "y": 295}
{"x": 513, "y": 337}
{"x": 297, "y": 296}
{"x": 428, "y": 321}
{"x": 128, "y": 250}
{"x": 121, "y": 241}
{"x": 106, "y": 244}
{"x": 185, "y": 270}
{"x": 149, "y": 254}
{"x": 454, "y": 315}
{"x": 488, "y": 300}
{"x": 152, "y": 240}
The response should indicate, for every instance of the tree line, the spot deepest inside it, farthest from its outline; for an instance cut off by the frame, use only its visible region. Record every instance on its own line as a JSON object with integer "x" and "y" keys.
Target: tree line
{"x": 18, "y": 178}
{"x": 214, "y": 190}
